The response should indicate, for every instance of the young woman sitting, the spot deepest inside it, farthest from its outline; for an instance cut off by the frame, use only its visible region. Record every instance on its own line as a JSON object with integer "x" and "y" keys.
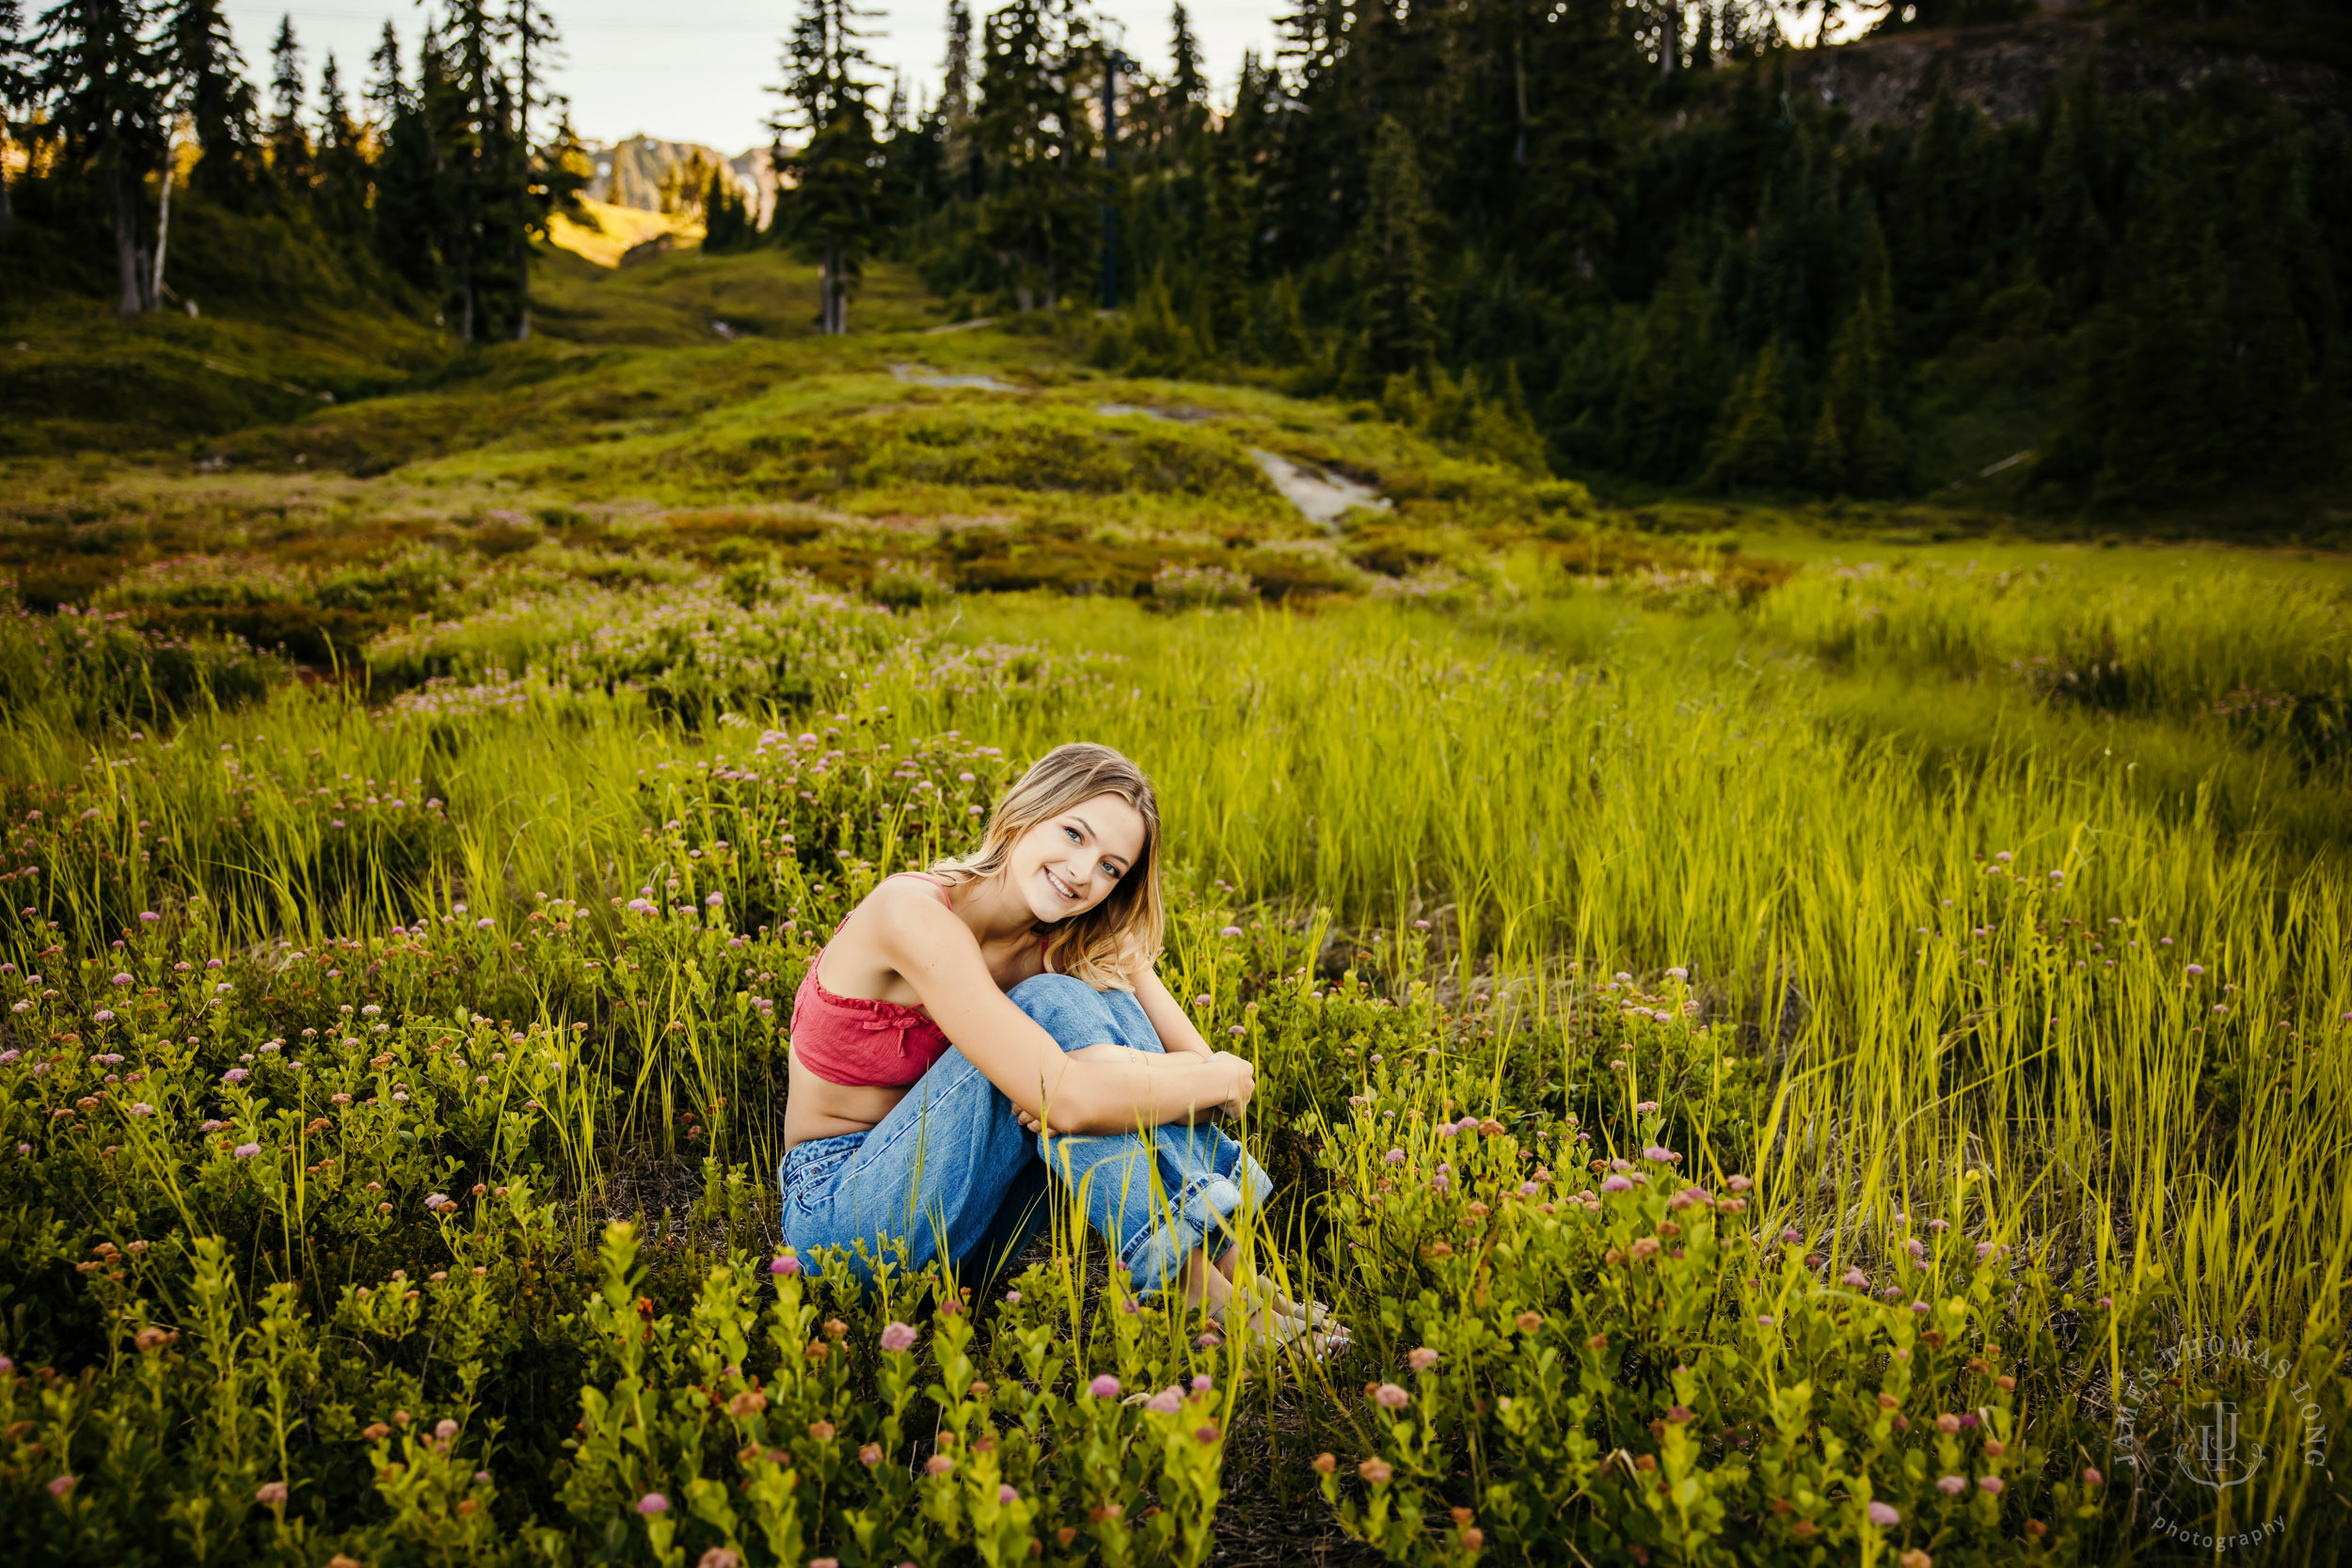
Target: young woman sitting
{"x": 1011, "y": 991}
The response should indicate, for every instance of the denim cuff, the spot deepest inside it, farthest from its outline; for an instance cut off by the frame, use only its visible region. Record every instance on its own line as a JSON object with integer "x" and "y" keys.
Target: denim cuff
{"x": 1196, "y": 1215}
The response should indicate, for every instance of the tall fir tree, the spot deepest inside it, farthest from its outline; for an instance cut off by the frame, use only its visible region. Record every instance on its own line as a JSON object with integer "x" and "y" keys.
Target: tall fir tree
{"x": 101, "y": 73}
{"x": 1185, "y": 77}
{"x": 410, "y": 211}
{"x": 726, "y": 217}
{"x": 1186, "y": 83}
{"x": 543, "y": 184}
{"x": 208, "y": 75}
{"x": 2071, "y": 249}
{"x": 343, "y": 173}
{"x": 1674, "y": 378}
{"x": 1754, "y": 450}
{"x": 1222, "y": 285}
{"x": 1580, "y": 108}
{"x": 956, "y": 97}
{"x": 467, "y": 108}
{"x": 289, "y": 139}
{"x": 1855, "y": 447}
{"x": 1038, "y": 139}
{"x": 837, "y": 207}
{"x": 15, "y": 88}
{"x": 1392, "y": 261}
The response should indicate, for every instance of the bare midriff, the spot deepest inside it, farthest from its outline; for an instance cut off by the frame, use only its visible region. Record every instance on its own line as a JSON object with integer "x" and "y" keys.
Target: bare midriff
{"x": 816, "y": 1107}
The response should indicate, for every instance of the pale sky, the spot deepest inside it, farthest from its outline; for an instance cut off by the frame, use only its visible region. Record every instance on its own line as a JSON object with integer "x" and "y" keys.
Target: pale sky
{"x": 696, "y": 70}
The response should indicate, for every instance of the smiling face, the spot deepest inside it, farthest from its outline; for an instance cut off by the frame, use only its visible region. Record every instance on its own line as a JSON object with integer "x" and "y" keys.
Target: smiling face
{"x": 1070, "y": 862}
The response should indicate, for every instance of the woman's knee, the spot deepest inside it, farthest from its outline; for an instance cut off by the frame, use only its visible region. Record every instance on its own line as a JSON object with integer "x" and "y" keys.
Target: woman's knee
{"x": 1067, "y": 1008}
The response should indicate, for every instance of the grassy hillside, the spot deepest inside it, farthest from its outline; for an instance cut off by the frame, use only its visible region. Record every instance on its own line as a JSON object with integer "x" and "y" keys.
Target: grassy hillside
{"x": 603, "y": 233}
{"x": 420, "y": 807}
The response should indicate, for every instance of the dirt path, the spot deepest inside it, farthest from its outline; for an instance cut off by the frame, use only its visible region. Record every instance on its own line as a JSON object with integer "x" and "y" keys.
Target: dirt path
{"x": 1322, "y": 496}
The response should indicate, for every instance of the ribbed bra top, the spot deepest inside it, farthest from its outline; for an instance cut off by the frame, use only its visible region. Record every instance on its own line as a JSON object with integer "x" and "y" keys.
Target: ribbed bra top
{"x": 862, "y": 1043}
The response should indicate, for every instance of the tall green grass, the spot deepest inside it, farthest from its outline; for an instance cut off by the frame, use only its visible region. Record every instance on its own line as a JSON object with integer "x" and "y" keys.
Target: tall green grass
{"x": 1941, "y": 982}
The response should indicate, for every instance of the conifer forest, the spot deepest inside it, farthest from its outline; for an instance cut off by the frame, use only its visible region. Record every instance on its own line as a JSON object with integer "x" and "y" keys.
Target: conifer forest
{"x": 1739, "y": 619}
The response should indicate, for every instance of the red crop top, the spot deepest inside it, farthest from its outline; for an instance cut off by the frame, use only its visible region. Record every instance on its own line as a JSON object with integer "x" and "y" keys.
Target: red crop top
{"x": 862, "y": 1043}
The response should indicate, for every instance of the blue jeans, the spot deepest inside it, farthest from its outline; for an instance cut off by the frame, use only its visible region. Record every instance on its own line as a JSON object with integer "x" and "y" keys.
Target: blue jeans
{"x": 952, "y": 1174}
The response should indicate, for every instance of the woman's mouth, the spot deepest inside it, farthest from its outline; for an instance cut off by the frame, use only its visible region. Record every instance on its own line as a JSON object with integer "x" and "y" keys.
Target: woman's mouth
{"x": 1061, "y": 887}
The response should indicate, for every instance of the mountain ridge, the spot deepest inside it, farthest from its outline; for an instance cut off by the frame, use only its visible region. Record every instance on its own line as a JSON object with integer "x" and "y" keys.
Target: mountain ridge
{"x": 631, "y": 172}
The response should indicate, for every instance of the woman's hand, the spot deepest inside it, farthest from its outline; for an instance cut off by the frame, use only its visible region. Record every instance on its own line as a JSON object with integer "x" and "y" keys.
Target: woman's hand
{"x": 1245, "y": 1078}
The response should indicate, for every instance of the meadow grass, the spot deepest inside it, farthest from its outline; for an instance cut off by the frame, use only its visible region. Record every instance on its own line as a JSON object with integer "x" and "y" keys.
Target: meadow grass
{"x": 1954, "y": 987}
{"x": 1768, "y": 1056}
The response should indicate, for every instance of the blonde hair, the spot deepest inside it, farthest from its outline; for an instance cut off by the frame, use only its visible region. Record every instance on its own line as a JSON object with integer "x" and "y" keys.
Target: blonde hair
{"x": 1125, "y": 927}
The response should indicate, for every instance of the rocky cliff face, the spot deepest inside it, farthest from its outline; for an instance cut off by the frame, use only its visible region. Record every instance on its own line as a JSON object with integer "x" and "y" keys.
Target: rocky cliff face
{"x": 2009, "y": 71}
{"x": 629, "y": 173}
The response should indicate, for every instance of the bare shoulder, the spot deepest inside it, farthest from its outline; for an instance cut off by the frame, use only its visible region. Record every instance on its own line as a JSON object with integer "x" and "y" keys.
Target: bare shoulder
{"x": 903, "y": 910}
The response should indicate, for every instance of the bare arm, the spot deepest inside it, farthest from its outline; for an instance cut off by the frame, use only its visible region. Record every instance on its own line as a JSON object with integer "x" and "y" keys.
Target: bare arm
{"x": 1174, "y": 1025}
{"x": 1094, "y": 1092}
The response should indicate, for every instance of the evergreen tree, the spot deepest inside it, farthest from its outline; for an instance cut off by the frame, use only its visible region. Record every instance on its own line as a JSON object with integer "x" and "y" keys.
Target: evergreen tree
{"x": 1752, "y": 451}
{"x": 1930, "y": 205}
{"x": 1187, "y": 85}
{"x": 289, "y": 141}
{"x": 410, "y": 211}
{"x": 1392, "y": 264}
{"x": 837, "y": 208}
{"x": 467, "y": 102}
{"x": 1674, "y": 378}
{"x": 343, "y": 172}
{"x": 2071, "y": 241}
{"x": 101, "y": 74}
{"x": 1579, "y": 120}
{"x": 1221, "y": 283}
{"x": 15, "y": 88}
{"x": 1856, "y": 448}
{"x": 726, "y": 215}
{"x": 1283, "y": 337}
{"x": 1191, "y": 86}
{"x": 541, "y": 184}
{"x": 218, "y": 101}
{"x": 956, "y": 99}
{"x": 385, "y": 92}
{"x": 1036, "y": 139}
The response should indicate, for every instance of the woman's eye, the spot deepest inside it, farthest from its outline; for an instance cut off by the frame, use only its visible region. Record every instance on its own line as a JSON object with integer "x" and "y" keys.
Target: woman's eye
{"x": 1111, "y": 871}
{"x": 1072, "y": 832}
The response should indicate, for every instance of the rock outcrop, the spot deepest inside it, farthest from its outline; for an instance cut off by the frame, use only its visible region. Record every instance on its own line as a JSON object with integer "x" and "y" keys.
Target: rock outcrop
{"x": 629, "y": 173}
{"x": 2009, "y": 71}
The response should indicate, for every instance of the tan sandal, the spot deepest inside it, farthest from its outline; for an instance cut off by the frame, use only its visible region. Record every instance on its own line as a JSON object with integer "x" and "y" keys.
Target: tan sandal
{"x": 1315, "y": 1313}
{"x": 1264, "y": 1326}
